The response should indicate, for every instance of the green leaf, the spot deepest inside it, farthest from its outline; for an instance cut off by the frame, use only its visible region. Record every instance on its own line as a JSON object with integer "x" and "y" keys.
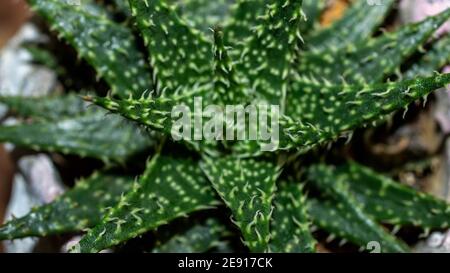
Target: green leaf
{"x": 351, "y": 225}
{"x": 197, "y": 239}
{"x": 268, "y": 56}
{"x": 343, "y": 216}
{"x": 45, "y": 108}
{"x": 312, "y": 10}
{"x": 156, "y": 113}
{"x": 152, "y": 112}
{"x": 45, "y": 58}
{"x": 372, "y": 60}
{"x": 92, "y": 7}
{"x": 122, "y": 6}
{"x": 170, "y": 188}
{"x": 204, "y": 14}
{"x": 245, "y": 15}
{"x": 109, "y": 138}
{"x": 247, "y": 186}
{"x": 109, "y": 47}
{"x": 79, "y": 208}
{"x": 357, "y": 25}
{"x": 322, "y": 113}
{"x": 242, "y": 22}
{"x": 390, "y": 202}
{"x": 433, "y": 60}
{"x": 290, "y": 227}
{"x": 179, "y": 55}
{"x": 228, "y": 90}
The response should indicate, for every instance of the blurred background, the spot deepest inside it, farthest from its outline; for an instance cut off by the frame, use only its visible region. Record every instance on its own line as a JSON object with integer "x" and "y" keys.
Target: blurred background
{"x": 414, "y": 150}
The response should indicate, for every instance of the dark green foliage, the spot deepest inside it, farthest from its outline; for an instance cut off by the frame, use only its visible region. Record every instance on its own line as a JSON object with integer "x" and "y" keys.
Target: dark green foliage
{"x": 107, "y": 46}
{"x": 433, "y": 60}
{"x": 312, "y": 11}
{"x": 390, "y": 202}
{"x": 79, "y": 208}
{"x": 122, "y": 6}
{"x": 157, "y": 113}
{"x": 268, "y": 54}
{"x": 184, "y": 58}
{"x": 154, "y": 113}
{"x": 372, "y": 60}
{"x": 169, "y": 188}
{"x": 358, "y": 24}
{"x": 44, "y": 57}
{"x": 312, "y": 108}
{"x": 197, "y": 239}
{"x": 344, "y": 216}
{"x": 315, "y": 107}
{"x": 228, "y": 90}
{"x": 351, "y": 224}
{"x": 247, "y": 187}
{"x": 94, "y": 135}
{"x": 204, "y": 14}
{"x": 290, "y": 227}
{"x": 46, "y": 108}
{"x": 243, "y": 20}
{"x": 327, "y": 82}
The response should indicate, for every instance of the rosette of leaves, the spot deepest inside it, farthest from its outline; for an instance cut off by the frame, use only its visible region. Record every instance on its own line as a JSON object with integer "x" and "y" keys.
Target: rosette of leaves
{"x": 327, "y": 82}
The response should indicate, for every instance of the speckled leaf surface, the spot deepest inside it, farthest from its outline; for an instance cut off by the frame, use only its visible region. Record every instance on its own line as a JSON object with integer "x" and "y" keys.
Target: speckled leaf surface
{"x": 312, "y": 10}
{"x": 324, "y": 112}
{"x": 109, "y": 47}
{"x": 327, "y": 82}
{"x": 317, "y": 113}
{"x": 197, "y": 239}
{"x": 79, "y": 208}
{"x": 245, "y": 15}
{"x": 391, "y": 202}
{"x": 344, "y": 217}
{"x": 247, "y": 187}
{"x": 374, "y": 59}
{"x": 45, "y": 108}
{"x": 179, "y": 55}
{"x": 357, "y": 24}
{"x": 205, "y": 14}
{"x": 164, "y": 114}
{"x": 433, "y": 60}
{"x": 242, "y": 22}
{"x": 109, "y": 138}
{"x": 290, "y": 225}
{"x": 268, "y": 55}
{"x": 228, "y": 89}
{"x": 169, "y": 188}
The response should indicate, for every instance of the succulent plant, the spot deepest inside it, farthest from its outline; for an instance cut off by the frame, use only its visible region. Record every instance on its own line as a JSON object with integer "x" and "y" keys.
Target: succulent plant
{"x": 327, "y": 81}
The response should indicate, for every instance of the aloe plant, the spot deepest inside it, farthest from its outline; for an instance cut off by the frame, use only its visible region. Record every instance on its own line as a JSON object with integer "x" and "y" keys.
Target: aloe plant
{"x": 326, "y": 81}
